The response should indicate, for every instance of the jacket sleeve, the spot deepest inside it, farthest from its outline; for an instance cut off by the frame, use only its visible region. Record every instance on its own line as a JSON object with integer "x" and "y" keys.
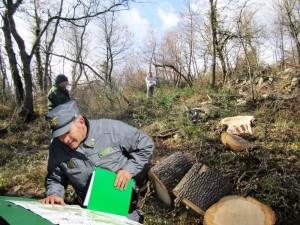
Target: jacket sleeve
{"x": 55, "y": 182}
{"x": 139, "y": 148}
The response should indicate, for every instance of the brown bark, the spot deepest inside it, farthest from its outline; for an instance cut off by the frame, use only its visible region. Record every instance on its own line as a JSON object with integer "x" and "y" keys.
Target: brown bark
{"x": 213, "y": 22}
{"x": 201, "y": 187}
{"x": 3, "y": 76}
{"x": 37, "y": 51}
{"x": 166, "y": 175}
{"x": 13, "y": 64}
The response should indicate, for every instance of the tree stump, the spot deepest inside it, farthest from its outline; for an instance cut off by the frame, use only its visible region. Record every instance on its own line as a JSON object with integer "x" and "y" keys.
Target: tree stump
{"x": 166, "y": 175}
{"x": 239, "y": 124}
{"x": 201, "y": 187}
{"x": 234, "y": 142}
{"x": 239, "y": 210}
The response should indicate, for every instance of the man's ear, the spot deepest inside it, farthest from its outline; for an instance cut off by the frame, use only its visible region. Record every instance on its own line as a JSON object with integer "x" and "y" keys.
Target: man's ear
{"x": 81, "y": 120}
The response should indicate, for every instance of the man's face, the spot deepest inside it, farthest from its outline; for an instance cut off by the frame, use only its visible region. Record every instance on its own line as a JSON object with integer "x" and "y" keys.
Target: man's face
{"x": 75, "y": 135}
{"x": 64, "y": 84}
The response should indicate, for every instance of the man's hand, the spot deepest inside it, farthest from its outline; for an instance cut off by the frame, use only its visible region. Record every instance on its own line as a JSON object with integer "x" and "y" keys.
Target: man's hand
{"x": 53, "y": 199}
{"x": 122, "y": 179}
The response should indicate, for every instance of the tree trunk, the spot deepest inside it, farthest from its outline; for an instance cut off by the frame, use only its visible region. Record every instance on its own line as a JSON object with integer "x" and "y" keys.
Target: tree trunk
{"x": 47, "y": 74}
{"x": 4, "y": 76}
{"x": 166, "y": 175}
{"x": 27, "y": 107}
{"x": 223, "y": 64}
{"x": 282, "y": 49}
{"x": 13, "y": 64}
{"x": 293, "y": 28}
{"x": 213, "y": 21}
{"x": 201, "y": 187}
{"x": 37, "y": 50}
{"x": 239, "y": 210}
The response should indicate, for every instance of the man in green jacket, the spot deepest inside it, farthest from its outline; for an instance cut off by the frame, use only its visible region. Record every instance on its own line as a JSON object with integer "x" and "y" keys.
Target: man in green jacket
{"x": 58, "y": 94}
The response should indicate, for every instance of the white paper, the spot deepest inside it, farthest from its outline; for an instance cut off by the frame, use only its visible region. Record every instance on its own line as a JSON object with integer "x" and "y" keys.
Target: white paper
{"x": 88, "y": 194}
{"x": 73, "y": 214}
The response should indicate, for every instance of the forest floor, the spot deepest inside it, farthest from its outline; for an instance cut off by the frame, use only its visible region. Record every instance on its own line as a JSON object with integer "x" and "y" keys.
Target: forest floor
{"x": 269, "y": 173}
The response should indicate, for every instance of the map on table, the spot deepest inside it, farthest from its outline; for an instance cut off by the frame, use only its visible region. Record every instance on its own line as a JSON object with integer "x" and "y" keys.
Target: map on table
{"x": 73, "y": 214}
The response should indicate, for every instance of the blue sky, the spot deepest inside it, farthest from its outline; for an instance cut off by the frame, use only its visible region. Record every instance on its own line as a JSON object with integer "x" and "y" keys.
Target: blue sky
{"x": 152, "y": 16}
{"x": 152, "y": 9}
{"x": 156, "y": 17}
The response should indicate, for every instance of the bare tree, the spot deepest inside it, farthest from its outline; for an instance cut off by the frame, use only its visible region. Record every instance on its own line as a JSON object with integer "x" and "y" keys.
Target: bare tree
{"x": 291, "y": 16}
{"x": 170, "y": 57}
{"x": 246, "y": 35}
{"x": 77, "y": 48}
{"x": 213, "y": 22}
{"x": 189, "y": 33}
{"x": 26, "y": 57}
{"x": 116, "y": 41}
{"x": 48, "y": 49}
{"x": 3, "y": 76}
{"x": 19, "y": 90}
{"x": 37, "y": 51}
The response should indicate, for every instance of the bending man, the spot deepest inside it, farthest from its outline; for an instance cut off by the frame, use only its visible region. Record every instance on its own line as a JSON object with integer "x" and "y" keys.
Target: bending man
{"x": 79, "y": 145}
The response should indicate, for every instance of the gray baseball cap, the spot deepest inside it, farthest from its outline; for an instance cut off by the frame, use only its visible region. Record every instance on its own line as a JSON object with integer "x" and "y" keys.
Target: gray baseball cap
{"x": 61, "y": 117}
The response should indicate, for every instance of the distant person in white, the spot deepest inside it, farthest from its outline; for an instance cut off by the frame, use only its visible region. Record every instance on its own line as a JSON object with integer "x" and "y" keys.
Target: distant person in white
{"x": 150, "y": 83}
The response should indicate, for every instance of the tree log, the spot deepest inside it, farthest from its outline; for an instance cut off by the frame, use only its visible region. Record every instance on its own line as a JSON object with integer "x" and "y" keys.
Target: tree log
{"x": 234, "y": 142}
{"x": 239, "y": 210}
{"x": 239, "y": 124}
{"x": 201, "y": 187}
{"x": 166, "y": 175}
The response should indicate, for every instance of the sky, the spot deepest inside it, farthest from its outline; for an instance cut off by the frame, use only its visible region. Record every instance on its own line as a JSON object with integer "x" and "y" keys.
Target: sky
{"x": 147, "y": 17}
{"x": 152, "y": 16}
{"x": 159, "y": 16}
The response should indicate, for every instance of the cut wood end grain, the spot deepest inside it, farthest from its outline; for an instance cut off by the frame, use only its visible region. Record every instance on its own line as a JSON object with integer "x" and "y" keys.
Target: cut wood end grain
{"x": 239, "y": 210}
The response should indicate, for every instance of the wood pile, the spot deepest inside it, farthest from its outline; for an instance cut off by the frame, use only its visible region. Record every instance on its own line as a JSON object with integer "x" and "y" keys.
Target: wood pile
{"x": 179, "y": 180}
{"x": 194, "y": 185}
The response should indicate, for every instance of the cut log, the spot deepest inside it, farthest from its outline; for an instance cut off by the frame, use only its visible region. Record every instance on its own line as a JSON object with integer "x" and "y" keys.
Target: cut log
{"x": 239, "y": 210}
{"x": 239, "y": 124}
{"x": 201, "y": 187}
{"x": 234, "y": 142}
{"x": 166, "y": 175}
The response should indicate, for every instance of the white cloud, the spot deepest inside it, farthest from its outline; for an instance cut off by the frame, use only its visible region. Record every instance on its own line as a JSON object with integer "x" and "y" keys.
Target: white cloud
{"x": 136, "y": 24}
{"x": 168, "y": 18}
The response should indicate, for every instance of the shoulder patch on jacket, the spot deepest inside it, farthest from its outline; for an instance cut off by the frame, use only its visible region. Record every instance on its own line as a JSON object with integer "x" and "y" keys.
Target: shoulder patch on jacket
{"x": 71, "y": 164}
{"x": 105, "y": 151}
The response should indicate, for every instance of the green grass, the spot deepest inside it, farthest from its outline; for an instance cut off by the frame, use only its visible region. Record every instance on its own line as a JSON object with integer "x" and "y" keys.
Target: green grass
{"x": 270, "y": 173}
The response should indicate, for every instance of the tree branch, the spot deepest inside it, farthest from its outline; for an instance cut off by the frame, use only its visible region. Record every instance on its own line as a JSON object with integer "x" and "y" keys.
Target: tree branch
{"x": 81, "y": 63}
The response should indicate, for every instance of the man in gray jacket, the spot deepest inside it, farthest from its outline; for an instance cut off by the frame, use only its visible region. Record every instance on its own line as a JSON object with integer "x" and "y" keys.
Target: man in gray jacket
{"x": 79, "y": 145}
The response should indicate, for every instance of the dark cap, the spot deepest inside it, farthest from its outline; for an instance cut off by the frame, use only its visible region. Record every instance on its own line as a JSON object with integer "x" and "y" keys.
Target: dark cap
{"x": 61, "y": 116}
{"x": 60, "y": 78}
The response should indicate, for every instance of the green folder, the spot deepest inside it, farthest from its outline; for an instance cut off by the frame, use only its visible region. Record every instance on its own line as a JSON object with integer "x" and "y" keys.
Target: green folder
{"x": 103, "y": 196}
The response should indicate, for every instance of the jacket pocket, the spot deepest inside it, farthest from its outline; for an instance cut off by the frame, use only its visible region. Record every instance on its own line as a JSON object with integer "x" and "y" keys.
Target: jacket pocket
{"x": 71, "y": 167}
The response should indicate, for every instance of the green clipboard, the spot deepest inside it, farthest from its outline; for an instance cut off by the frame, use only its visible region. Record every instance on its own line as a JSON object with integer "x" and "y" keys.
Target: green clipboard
{"x": 103, "y": 196}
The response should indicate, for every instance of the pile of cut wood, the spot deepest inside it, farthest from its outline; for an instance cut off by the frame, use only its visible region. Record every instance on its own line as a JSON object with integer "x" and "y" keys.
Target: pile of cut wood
{"x": 190, "y": 183}
{"x": 179, "y": 179}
